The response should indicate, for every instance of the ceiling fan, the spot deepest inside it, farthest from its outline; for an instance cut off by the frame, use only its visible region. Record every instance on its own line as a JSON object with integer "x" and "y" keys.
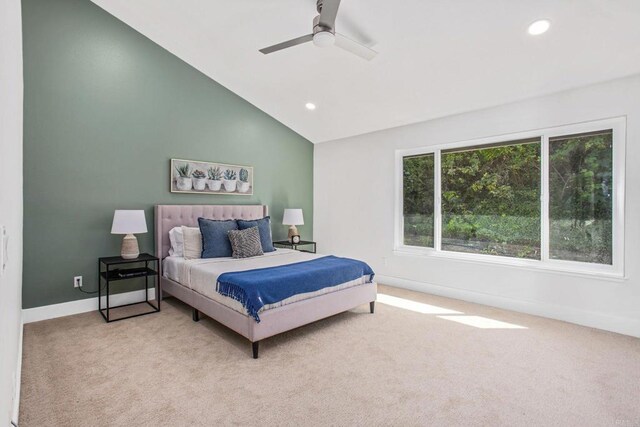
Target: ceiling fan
{"x": 324, "y": 33}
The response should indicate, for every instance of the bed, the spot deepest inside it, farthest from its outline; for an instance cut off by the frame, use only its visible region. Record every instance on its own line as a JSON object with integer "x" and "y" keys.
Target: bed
{"x": 193, "y": 281}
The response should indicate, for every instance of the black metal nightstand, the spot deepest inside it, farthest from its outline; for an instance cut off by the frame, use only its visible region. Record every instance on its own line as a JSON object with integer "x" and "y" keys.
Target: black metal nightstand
{"x": 288, "y": 244}
{"x": 109, "y": 274}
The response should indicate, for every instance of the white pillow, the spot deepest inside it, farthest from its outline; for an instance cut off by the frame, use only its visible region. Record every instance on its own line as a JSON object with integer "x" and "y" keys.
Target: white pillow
{"x": 177, "y": 242}
{"x": 192, "y": 242}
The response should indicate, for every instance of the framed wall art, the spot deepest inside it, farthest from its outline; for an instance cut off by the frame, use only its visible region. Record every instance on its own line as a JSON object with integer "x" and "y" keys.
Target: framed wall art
{"x": 193, "y": 176}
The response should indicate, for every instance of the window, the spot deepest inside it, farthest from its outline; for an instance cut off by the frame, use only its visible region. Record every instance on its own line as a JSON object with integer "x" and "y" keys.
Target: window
{"x": 581, "y": 197}
{"x": 418, "y": 184}
{"x": 491, "y": 199}
{"x": 552, "y": 199}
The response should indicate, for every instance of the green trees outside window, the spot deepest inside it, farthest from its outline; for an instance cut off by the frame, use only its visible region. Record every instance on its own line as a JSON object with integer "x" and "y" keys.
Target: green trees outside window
{"x": 581, "y": 197}
{"x": 418, "y": 182}
{"x": 490, "y": 199}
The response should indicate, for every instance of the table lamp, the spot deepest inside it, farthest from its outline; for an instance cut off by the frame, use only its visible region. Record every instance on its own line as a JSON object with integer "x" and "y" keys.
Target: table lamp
{"x": 292, "y": 217}
{"x": 128, "y": 222}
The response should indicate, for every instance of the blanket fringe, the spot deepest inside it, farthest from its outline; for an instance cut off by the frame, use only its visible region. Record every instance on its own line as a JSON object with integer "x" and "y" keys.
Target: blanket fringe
{"x": 237, "y": 293}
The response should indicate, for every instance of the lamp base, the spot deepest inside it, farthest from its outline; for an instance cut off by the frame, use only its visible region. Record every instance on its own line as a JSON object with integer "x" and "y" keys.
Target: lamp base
{"x": 293, "y": 231}
{"x": 130, "y": 248}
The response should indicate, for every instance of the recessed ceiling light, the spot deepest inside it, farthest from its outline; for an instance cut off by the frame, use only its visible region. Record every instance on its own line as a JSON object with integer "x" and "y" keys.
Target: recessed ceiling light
{"x": 310, "y": 106}
{"x": 539, "y": 27}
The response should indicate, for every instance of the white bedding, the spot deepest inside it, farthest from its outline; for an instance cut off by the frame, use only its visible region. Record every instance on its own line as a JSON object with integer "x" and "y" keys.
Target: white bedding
{"x": 201, "y": 275}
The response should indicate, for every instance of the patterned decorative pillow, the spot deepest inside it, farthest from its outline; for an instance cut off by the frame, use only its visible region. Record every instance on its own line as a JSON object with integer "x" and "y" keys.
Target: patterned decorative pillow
{"x": 264, "y": 227}
{"x": 245, "y": 243}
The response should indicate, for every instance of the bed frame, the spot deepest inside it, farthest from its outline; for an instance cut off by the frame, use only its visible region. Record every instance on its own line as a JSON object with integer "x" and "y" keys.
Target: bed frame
{"x": 273, "y": 321}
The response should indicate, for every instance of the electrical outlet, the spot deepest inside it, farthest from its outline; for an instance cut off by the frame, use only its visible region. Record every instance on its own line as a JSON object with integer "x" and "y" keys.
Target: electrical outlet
{"x": 77, "y": 282}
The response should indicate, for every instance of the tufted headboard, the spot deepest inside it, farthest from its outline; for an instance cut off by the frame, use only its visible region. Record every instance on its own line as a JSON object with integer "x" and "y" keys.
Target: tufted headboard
{"x": 169, "y": 216}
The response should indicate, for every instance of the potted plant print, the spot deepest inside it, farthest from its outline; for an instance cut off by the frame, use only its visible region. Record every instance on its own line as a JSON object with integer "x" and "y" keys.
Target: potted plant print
{"x": 183, "y": 180}
{"x": 215, "y": 178}
{"x": 199, "y": 180}
{"x": 243, "y": 184}
{"x": 230, "y": 180}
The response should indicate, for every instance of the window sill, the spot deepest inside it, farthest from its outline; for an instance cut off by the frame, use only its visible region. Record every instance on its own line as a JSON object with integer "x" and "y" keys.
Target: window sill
{"x": 553, "y": 266}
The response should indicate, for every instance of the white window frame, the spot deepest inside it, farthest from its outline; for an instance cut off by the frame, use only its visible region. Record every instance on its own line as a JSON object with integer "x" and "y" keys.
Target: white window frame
{"x": 613, "y": 271}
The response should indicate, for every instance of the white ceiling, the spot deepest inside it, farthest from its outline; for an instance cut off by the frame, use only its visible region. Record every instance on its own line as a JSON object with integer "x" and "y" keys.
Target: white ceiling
{"x": 436, "y": 57}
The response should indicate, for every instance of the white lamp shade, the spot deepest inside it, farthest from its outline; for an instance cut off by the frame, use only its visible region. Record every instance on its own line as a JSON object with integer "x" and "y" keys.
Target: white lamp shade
{"x": 128, "y": 222}
{"x": 293, "y": 217}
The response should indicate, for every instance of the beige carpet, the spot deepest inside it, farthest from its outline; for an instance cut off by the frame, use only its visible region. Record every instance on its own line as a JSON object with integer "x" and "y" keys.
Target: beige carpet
{"x": 404, "y": 365}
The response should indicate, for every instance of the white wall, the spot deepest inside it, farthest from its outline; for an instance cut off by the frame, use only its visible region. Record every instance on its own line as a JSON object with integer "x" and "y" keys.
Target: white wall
{"x": 10, "y": 202}
{"x": 354, "y": 210}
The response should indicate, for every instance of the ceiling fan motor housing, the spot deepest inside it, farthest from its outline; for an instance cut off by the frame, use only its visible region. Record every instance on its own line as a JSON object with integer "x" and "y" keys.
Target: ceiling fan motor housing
{"x": 317, "y": 27}
{"x": 322, "y": 36}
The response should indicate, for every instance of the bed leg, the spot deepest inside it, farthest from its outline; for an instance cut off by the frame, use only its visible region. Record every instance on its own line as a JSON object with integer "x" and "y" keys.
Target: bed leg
{"x": 255, "y": 346}
{"x": 372, "y": 307}
{"x": 196, "y": 315}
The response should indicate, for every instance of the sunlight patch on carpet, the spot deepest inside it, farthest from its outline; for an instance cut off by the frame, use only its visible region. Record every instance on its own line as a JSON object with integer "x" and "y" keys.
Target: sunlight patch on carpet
{"x": 418, "y": 307}
{"x": 482, "y": 322}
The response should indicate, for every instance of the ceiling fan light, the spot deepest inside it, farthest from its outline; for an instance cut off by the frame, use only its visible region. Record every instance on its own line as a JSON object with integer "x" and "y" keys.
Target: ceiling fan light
{"x": 323, "y": 38}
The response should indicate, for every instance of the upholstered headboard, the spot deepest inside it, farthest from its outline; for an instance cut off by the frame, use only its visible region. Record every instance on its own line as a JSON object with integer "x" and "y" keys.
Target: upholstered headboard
{"x": 169, "y": 216}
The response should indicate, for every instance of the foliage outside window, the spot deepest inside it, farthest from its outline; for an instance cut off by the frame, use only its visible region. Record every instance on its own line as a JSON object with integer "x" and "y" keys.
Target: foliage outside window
{"x": 581, "y": 197}
{"x": 418, "y": 183}
{"x": 489, "y": 199}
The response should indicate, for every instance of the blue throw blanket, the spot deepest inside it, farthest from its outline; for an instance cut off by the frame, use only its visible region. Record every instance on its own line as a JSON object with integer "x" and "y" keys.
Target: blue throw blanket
{"x": 257, "y": 288}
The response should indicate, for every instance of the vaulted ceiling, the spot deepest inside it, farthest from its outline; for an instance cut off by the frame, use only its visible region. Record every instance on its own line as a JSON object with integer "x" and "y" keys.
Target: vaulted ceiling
{"x": 436, "y": 57}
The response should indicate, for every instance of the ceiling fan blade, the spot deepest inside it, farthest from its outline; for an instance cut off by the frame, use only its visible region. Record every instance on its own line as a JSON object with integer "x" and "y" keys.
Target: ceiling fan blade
{"x": 328, "y": 13}
{"x": 288, "y": 43}
{"x": 354, "y": 47}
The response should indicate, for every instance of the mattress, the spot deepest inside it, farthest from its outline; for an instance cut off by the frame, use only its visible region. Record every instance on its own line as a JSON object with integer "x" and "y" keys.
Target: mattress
{"x": 201, "y": 275}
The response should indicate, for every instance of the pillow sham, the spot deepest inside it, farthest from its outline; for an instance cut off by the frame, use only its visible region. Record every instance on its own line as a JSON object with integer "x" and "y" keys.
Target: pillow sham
{"x": 192, "y": 242}
{"x": 215, "y": 241}
{"x": 177, "y": 242}
{"x": 264, "y": 228}
{"x": 245, "y": 243}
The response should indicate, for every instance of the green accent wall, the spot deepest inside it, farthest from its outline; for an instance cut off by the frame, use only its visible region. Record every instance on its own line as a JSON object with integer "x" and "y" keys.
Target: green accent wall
{"x": 105, "y": 109}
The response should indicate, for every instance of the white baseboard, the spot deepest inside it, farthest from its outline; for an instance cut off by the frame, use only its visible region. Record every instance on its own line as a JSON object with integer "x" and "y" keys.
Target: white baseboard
{"x": 37, "y": 314}
{"x": 18, "y": 378}
{"x": 621, "y": 325}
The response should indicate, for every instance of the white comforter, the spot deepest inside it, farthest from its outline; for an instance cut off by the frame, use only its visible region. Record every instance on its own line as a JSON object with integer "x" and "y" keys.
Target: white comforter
{"x": 201, "y": 275}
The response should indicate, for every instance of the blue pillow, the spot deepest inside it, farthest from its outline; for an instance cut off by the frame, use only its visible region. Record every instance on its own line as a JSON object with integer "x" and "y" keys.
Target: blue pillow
{"x": 264, "y": 227}
{"x": 215, "y": 241}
